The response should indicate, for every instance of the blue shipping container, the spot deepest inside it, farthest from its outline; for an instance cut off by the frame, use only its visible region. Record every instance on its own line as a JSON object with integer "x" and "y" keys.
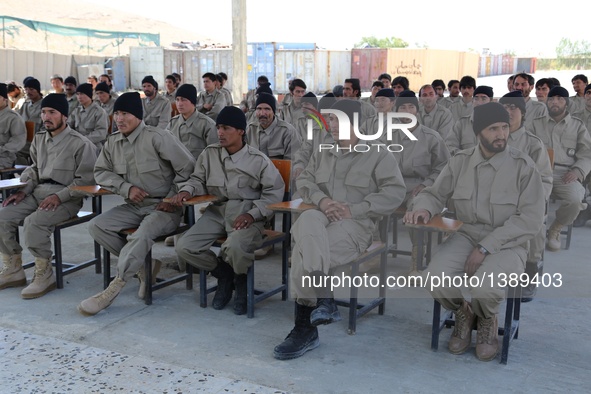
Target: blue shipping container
{"x": 261, "y": 59}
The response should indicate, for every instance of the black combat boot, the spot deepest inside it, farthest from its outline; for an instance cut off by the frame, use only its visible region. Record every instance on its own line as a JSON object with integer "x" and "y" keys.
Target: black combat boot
{"x": 584, "y": 216}
{"x": 326, "y": 311}
{"x": 302, "y": 338}
{"x": 240, "y": 296}
{"x": 225, "y": 275}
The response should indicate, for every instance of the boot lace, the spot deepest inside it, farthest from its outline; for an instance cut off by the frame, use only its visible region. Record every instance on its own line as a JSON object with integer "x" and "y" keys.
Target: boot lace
{"x": 484, "y": 330}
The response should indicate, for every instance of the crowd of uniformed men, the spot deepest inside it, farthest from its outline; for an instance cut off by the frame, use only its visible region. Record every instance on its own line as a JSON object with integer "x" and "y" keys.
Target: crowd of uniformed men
{"x": 494, "y": 163}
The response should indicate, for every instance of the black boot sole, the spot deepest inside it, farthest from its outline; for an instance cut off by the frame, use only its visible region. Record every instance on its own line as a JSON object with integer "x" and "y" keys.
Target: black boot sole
{"x": 289, "y": 356}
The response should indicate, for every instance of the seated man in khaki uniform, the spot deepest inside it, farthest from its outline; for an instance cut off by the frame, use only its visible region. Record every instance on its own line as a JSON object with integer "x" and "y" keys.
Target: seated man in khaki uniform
{"x": 61, "y": 158}
{"x": 353, "y": 191}
{"x": 142, "y": 164}
{"x": 105, "y": 100}
{"x": 246, "y": 181}
{"x": 495, "y": 190}
{"x": 210, "y": 101}
{"x": 70, "y": 84}
{"x": 30, "y": 112}
{"x": 13, "y": 134}
{"x": 157, "y": 109}
{"x": 89, "y": 119}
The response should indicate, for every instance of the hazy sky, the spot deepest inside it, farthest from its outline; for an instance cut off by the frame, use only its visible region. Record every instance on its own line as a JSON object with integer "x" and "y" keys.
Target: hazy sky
{"x": 532, "y": 29}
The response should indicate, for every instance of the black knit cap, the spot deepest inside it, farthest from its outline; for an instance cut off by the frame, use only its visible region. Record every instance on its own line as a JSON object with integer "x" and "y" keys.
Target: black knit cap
{"x": 559, "y": 91}
{"x": 266, "y": 98}
{"x": 265, "y": 88}
{"x": 56, "y": 101}
{"x": 187, "y": 91}
{"x": 386, "y": 92}
{"x": 71, "y": 80}
{"x": 150, "y": 79}
{"x": 233, "y": 117}
{"x": 350, "y": 107}
{"x": 33, "y": 83}
{"x": 130, "y": 102}
{"x": 407, "y": 97}
{"x": 4, "y": 90}
{"x": 101, "y": 87}
{"x": 587, "y": 88}
{"x": 487, "y": 114}
{"x": 85, "y": 88}
{"x": 310, "y": 98}
{"x": 483, "y": 89}
{"x": 516, "y": 98}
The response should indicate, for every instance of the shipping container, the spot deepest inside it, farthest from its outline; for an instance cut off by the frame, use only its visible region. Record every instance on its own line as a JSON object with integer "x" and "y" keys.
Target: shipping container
{"x": 526, "y": 65}
{"x": 119, "y": 71}
{"x": 157, "y": 62}
{"x": 367, "y": 65}
{"x": 331, "y": 68}
{"x": 290, "y": 64}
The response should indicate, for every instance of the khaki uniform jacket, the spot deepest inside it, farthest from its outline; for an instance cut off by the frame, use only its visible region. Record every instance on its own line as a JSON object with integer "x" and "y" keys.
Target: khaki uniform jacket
{"x": 497, "y": 199}
{"x": 308, "y": 146}
{"x": 72, "y": 104}
{"x": 576, "y": 104}
{"x": 371, "y": 183}
{"x": 534, "y": 110}
{"x": 585, "y": 116}
{"x": 195, "y": 133}
{"x": 216, "y": 98}
{"x": 423, "y": 159}
{"x": 157, "y": 111}
{"x": 91, "y": 122}
{"x": 570, "y": 140}
{"x": 291, "y": 114}
{"x": 171, "y": 97}
{"x": 31, "y": 112}
{"x": 462, "y": 135}
{"x": 367, "y": 110}
{"x": 460, "y": 109}
{"x": 448, "y": 101}
{"x": 67, "y": 158}
{"x": 148, "y": 158}
{"x": 108, "y": 107}
{"x": 228, "y": 96}
{"x": 278, "y": 141}
{"x": 13, "y": 136}
{"x": 439, "y": 119}
{"x": 534, "y": 147}
{"x": 246, "y": 182}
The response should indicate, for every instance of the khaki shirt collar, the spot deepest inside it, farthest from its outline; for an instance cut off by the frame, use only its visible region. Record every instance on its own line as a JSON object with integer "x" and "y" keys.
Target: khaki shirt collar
{"x": 236, "y": 156}
{"x": 134, "y": 134}
{"x": 517, "y": 133}
{"x": 496, "y": 161}
{"x": 190, "y": 120}
{"x": 58, "y": 137}
{"x": 269, "y": 129}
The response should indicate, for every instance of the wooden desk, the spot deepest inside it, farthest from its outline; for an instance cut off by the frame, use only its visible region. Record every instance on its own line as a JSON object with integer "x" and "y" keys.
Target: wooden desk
{"x": 190, "y": 204}
{"x": 295, "y": 206}
{"x": 96, "y": 192}
{"x": 436, "y": 224}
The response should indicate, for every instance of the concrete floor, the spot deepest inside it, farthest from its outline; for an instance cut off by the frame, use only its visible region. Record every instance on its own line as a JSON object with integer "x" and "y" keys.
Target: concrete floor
{"x": 175, "y": 346}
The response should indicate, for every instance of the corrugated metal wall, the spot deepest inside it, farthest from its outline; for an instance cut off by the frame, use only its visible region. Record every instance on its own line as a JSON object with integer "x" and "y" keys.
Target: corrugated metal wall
{"x": 331, "y": 68}
{"x": 294, "y": 64}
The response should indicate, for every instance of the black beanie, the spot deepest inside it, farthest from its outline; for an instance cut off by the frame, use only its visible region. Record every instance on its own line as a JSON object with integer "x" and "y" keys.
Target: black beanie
{"x": 187, "y": 91}
{"x": 310, "y": 98}
{"x": 587, "y": 88}
{"x": 266, "y": 98}
{"x": 100, "y": 87}
{"x": 130, "y": 102}
{"x": 56, "y": 101}
{"x": 407, "y": 97}
{"x": 350, "y": 107}
{"x": 482, "y": 89}
{"x": 559, "y": 91}
{"x": 264, "y": 89}
{"x": 233, "y": 117}
{"x": 85, "y": 88}
{"x": 150, "y": 79}
{"x": 516, "y": 98}
{"x": 487, "y": 114}
{"x": 386, "y": 92}
{"x": 4, "y": 90}
{"x": 33, "y": 84}
{"x": 71, "y": 80}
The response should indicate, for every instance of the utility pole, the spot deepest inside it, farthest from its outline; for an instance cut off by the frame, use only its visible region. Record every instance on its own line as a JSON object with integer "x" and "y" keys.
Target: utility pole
{"x": 239, "y": 71}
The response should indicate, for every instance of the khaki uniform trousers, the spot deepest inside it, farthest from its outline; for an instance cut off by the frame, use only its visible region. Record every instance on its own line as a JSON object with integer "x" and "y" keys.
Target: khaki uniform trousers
{"x": 38, "y": 225}
{"x": 486, "y": 297}
{"x": 570, "y": 195}
{"x": 133, "y": 249}
{"x": 321, "y": 245}
{"x": 238, "y": 249}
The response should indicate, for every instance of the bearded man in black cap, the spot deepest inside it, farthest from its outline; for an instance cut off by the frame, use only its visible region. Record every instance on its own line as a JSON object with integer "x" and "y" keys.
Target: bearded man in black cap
{"x": 89, "y": 119}
{"x": 30, "y": 112}
{"x": 61, "y": 157}
{"x": 13, "y": 134}
{"x": 70, "y": 89}
{"x": 570, "y": 140}
{"x": 274, "y": 137}
{"x": 495, "y": 190}
{"x": 143, "y": 164}
{"x": 246, "y": 181}
{"x": 157, "y": 109}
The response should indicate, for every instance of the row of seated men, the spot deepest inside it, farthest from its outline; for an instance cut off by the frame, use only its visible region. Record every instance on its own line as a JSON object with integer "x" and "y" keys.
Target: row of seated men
{"x": 494, "y": 189}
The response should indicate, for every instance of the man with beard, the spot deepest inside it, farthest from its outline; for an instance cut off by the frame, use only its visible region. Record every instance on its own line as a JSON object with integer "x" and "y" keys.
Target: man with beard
{"x": 70, "y": 84}
{"x": 570, "y": 140}
{"x": 274, "y": 137}
{"x": 495, "y": 190}
{"x": 577, "y": 102}
{"x": 30, "y": 112}
{"x": 433, "y": 115}
{"x": 13, "y": 134}
{"x": 157, "y": 109}
{"x": 533, "y": 109}
{"x": 61, "y": 157}
{"x": 89, "y": 119}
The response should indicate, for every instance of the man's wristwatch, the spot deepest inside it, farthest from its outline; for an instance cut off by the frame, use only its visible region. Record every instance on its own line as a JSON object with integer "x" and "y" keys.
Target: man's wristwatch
{"x": 483, "y": 250}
